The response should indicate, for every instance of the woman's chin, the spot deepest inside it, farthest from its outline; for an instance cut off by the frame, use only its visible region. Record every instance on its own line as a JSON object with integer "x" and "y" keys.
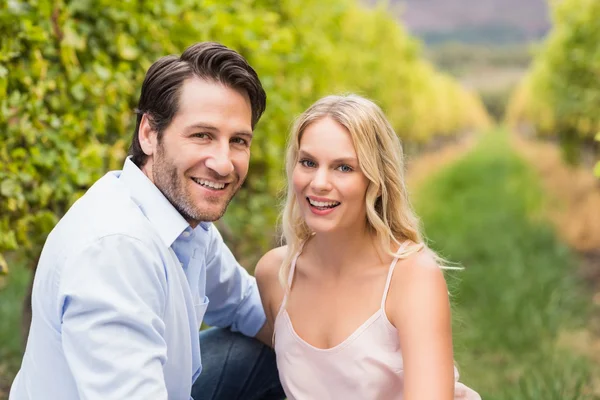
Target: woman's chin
{"x": 323, "y": 227}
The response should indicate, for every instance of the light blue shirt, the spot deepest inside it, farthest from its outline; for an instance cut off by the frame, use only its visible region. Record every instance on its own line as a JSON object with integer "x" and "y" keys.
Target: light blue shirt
{"x": 120, "y": 291}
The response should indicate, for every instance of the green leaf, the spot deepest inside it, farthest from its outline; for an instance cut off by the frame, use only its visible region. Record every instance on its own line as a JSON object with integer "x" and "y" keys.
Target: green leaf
{"x": 127, "y": 49}
{"x": 8, "y": 188}
{"x": 78, "y": 92}
{"x": 102, "y": 72}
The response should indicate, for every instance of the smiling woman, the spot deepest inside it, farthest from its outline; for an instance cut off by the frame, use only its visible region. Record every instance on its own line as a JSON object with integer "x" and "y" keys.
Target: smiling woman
{"x": 328, "y": 178}
{"x": 352, "y": 242}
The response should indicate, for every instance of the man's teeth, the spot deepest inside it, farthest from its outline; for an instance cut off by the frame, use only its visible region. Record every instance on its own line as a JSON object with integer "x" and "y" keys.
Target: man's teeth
{"x": 209, "y": 184}
{"x": 323, "y": 203}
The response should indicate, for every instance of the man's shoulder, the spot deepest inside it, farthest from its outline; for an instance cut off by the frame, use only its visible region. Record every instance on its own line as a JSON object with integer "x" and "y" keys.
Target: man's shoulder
{"x": 106, "y": 209}
{"x": 104, "y": 223}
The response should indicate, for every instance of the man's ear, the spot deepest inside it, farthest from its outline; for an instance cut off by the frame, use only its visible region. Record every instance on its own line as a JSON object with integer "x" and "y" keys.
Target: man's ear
{"x": 147, "y": 136}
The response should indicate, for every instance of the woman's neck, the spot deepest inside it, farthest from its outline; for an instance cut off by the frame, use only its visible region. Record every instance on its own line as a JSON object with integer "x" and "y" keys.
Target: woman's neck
{"x": 342, "y": 252}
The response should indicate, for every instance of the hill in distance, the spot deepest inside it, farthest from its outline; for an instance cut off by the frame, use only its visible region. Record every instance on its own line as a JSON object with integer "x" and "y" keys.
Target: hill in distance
{"x": 474, "y": 21}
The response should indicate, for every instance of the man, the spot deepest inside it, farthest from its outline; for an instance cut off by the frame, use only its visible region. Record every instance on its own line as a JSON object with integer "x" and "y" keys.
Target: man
{"x": 134, "y": 267}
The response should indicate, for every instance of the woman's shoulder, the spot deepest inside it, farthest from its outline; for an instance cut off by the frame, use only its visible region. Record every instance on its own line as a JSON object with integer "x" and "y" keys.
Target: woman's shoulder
{"x": 267, "y": 268}
{"x": 418, "y": 282}
{"x": 419, "y": 259}
{"x": 267, "y": 278}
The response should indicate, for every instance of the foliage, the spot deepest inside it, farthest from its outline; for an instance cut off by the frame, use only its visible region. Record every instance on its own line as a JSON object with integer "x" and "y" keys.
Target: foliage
{"x": 461, "y": 59}
{"x": 561, "y": 94}
{"x": 484, "y": 34}
{"x": 70, "y": 73}
{"x": 496, "y": 100}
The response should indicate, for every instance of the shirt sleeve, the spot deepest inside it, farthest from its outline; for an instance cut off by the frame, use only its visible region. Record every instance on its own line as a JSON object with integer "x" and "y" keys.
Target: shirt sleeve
{"x": 113, "y": 297}
{"x": 233, "y": 293}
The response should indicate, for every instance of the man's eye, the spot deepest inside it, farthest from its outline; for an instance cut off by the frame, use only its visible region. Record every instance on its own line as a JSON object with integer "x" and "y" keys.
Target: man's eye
{"x": 239, "y": 140}
{"x": 345, "y": 168}
{"x": 201, "y": 135}
{"x": 307, "y": 163}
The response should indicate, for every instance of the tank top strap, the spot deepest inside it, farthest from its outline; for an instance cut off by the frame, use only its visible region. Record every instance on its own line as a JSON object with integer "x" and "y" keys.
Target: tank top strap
{"x": 290, "y": 278}
{"x": 390, "y": 273}
{"x": 293, "y": 266}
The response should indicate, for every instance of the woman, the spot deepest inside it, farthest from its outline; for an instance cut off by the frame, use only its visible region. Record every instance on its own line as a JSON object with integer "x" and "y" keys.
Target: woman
{"x": 358, "y": 305}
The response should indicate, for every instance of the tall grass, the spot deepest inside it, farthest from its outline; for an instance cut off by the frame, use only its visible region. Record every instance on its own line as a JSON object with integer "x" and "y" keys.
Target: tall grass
{"x": 518, "y": 292}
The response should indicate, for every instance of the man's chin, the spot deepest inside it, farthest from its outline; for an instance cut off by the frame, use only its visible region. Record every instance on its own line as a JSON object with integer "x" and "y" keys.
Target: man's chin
{"x": 204, "y": 214}
{"x": 210, "y": 217}
{"x": 211, "y": 214}
{"x": 207, "y": 209}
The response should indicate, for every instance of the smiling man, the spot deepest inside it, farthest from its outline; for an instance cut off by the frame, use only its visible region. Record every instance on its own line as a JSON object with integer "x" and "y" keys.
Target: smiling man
{"x": 135, "y": 266}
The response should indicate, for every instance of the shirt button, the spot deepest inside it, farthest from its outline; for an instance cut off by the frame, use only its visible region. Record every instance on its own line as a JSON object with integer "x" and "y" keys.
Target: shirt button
{"x": 185, "y": 234}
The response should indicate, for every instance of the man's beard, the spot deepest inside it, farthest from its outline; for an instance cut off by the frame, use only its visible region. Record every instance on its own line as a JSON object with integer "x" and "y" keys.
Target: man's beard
{"x": 173, "y": 186}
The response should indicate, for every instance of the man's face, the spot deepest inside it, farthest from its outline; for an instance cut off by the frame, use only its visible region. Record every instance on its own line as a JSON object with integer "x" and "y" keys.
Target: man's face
{"x": 203, "y": 156}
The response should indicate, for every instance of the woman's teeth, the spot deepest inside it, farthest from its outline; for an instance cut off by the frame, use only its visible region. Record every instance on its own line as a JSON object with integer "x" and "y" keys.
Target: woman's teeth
{"x": 323, "y": 204}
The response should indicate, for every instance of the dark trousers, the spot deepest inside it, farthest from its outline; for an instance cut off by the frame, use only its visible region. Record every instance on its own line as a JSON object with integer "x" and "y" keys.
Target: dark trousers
{"x": 235, "y": 366}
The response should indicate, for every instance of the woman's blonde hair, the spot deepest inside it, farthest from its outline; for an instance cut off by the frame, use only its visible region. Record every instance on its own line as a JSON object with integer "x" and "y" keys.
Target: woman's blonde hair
{"x": 380, "y": 157}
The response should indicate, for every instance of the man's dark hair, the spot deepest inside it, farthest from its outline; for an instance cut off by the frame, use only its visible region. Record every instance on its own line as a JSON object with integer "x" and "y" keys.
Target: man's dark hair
{"x": 211, "y": 61}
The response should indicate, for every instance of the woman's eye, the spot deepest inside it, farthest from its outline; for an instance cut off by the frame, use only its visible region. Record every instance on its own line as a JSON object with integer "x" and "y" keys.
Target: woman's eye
{"x": 307, "y": 163}
{"x": 201, "y": 135}
{"x": 345, "y": 168}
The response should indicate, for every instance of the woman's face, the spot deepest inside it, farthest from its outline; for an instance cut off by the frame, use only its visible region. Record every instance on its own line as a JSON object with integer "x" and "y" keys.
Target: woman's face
{"x": 330, "y": 187}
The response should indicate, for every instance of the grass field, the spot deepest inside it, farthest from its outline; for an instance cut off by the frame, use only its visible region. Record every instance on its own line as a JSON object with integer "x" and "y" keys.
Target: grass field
{"x": 11, "y": 304}
{"x": 517, "y": 297}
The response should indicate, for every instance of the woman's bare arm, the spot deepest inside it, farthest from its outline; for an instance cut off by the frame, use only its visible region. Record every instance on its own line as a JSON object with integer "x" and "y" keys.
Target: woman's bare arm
{"x": 271, "y": 292}
{"x": 418, "y": 306}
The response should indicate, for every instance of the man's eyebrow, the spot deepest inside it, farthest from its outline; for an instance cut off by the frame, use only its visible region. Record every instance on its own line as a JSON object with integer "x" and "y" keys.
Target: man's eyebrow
{"x": 203, "y": 126}
{"x": 209, "y": 127}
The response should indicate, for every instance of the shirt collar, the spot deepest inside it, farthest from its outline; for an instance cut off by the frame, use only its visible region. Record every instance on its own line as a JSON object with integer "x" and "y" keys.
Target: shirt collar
{"x": 167, "y": 221}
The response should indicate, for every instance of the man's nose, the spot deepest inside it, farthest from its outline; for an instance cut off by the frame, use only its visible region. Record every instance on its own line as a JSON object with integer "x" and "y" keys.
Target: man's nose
{"x": 220, "y": 160}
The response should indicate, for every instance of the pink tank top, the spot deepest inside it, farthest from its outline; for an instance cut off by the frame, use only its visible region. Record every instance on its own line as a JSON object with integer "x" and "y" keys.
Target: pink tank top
{"x": 367, "y": 365}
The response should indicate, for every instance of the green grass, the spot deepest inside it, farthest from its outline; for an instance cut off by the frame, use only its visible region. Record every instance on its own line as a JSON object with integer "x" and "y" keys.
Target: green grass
{"x": 11, "y": 304}
{"x": 518, "y": 291}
